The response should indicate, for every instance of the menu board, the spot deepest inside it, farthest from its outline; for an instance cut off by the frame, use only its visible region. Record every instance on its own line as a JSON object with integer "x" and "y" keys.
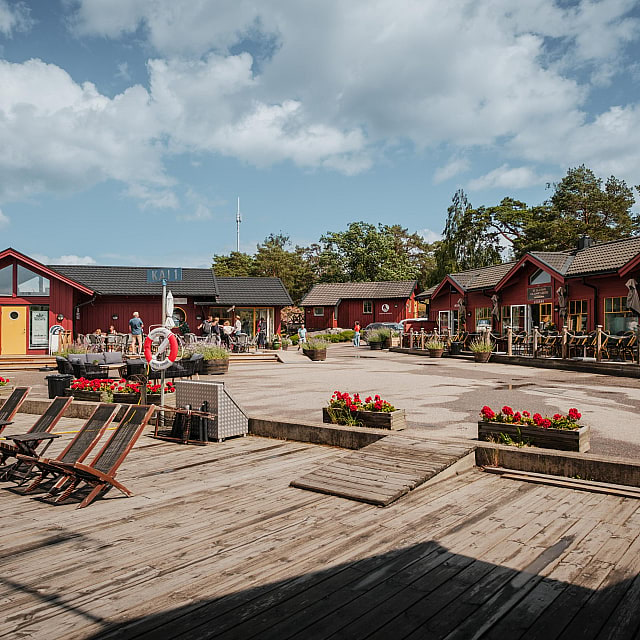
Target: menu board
{"x": 39, "y": 327}
{"x": 536, "y": 294}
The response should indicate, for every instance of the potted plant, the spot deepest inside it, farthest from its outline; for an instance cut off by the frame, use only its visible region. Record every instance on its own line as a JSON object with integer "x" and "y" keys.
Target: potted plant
{"x": 128, "y": 392}
{"x": 216, "y": 359}
{"x": 286, "y": 343}
{"x": 557, "y": 432}
{"x": 315, "y": 349}
{"x": 374, "y": 339}
{"x": 6, "y": 388}
{"x": 385, "y": 337}
{"x": 435, "y": 347}
{"x": 481, "y": 349}
{"x": 373, "y": 412}
{"x": 275, "y": 343}
{"x": 98, "y": 390}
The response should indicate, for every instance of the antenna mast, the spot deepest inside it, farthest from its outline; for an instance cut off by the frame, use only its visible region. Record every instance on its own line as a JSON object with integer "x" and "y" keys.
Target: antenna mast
{"x": 238, "y": 221}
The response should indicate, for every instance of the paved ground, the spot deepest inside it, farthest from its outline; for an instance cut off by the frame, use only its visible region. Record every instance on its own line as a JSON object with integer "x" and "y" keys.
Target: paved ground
{"x": 442, "y": 396}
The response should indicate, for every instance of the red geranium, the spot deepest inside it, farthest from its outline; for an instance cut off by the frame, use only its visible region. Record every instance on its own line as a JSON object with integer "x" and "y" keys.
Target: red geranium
{"x": 507, "y": 411}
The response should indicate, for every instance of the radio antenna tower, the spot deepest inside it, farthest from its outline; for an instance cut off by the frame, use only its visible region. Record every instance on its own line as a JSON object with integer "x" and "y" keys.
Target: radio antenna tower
{"x": 238, "y": 221}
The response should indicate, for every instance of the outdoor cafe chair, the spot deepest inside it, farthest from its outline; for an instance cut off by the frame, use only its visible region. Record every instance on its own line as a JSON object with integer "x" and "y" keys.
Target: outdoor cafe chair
{"x": 79, "y": 447}
{"x": 11, "y": 405}
{"x": 101, "y": 471}
{"x": 29, "y": 441}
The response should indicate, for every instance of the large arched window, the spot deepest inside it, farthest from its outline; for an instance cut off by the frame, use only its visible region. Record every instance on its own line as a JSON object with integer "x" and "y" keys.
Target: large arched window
{"x": 179, "y": 316}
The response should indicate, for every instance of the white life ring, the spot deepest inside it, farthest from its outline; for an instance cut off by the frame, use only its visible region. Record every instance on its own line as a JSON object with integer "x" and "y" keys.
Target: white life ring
{"x": 169, "y": 341}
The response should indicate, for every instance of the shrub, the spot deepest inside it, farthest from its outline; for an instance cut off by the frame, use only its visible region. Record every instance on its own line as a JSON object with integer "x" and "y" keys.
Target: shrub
{"x": 374, "y": 336}
{"x": 480, "y": 346}
{"x": 434, "y": 343}
{"x": 208, "y": 351}
{"x": 315, "y": 345}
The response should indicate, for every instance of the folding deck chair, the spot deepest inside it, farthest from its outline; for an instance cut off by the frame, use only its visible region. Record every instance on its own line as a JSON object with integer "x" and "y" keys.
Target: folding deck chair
{"x": 100, "y": 472}
{"x": 28, "y": 442}
{"x": 77, "y": 450}
{"x": 11, "y": 405}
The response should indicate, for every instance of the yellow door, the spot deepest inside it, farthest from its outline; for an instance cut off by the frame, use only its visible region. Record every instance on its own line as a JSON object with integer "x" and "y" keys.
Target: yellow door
{"x": 13, "y": 331}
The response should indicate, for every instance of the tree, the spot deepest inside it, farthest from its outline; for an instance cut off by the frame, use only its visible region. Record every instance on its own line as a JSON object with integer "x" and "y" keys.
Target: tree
{"x": 235, "y": 264}
{"x": 366, "y": 253}
{"x": 468, "y": 239}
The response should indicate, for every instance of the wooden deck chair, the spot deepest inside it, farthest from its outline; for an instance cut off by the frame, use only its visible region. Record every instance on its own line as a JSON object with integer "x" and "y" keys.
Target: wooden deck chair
{"x": 78, "y": 448}
{"x": 100, "y": 472}
{"x": 44, "y": 424}
{"x": 11, "y": 405}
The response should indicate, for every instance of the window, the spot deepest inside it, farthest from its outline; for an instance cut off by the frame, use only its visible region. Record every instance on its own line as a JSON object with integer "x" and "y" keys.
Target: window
{"x": 483, "y": 317}
{"x": 39, "y": 327}
{"x": 178, "y": 316}
{"x": 617, "y": 317}
{"x": 541, "y": 316}
{"x": 367, "y": 306}
{"x": 6, "y": 280}
{"x": 540, "y": 277}
{"x": 578, "y": 315}
{"x": 318, "y": 311}
{"x": 31, "y": 284}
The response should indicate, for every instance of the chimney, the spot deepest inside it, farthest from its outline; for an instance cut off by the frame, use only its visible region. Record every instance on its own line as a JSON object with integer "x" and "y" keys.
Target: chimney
{"x": 584, "y": 242}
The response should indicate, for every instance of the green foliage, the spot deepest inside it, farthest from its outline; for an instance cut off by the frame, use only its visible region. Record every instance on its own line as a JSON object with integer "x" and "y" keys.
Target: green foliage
{"x": 70, "y": 349}
{"x": 315, "y": 344}
{"x": 479, "y": 345}
{"x": 434, "y": 343}
{"x": 375, "y": 335}
{"x": 208, "y": 351}
{"x": 235, "y": 264}
{"x": 295, "y": 338}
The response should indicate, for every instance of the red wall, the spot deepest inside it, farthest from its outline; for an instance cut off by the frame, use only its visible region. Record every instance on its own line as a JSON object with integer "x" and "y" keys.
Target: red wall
{"x": 351, "y": 310}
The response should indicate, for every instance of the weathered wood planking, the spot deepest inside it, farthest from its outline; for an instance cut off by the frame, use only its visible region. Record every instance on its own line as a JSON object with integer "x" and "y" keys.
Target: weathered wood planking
{"x": 382, "y": 472}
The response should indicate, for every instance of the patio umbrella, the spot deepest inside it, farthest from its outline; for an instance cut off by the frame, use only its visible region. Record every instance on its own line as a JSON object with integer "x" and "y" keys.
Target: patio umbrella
{"x": 633, "y": 299}
{"x": 169, "y": 311}
{"x": 562, "y": 301}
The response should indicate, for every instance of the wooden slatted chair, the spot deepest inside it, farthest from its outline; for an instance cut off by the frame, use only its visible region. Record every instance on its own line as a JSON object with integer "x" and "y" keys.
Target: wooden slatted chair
{"x": 78, "y": 448}
{"x": 11, "y": 405}
{"x": 44, "y": 424}
{"x": 100, "y": 472}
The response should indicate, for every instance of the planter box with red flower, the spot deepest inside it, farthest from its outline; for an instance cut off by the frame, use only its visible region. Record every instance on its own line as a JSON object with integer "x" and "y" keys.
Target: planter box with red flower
{"x": 373, "y": 412}
{"x": 6, "y": 388}
{"x": 559, "y": 432}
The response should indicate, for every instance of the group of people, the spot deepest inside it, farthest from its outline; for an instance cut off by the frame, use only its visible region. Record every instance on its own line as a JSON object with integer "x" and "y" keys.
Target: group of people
{"x": 221, "y": 334}
{"x": 302, "y": 335}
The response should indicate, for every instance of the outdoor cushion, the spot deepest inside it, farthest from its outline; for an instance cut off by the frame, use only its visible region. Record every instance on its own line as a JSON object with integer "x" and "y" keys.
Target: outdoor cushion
{"x": 113, "y": 357}
{"x": 77, "y": 358}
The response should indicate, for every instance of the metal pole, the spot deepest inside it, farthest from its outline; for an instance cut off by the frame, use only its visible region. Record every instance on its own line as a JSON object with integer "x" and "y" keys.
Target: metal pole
{"x": 164, "y": 322}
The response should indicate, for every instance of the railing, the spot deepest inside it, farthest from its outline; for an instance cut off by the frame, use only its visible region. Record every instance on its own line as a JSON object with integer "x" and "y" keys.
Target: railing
{"x": 598, "y": 344}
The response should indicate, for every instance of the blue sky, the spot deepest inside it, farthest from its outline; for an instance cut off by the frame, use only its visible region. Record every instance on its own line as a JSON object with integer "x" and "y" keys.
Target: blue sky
{"x": 129, "y": 127}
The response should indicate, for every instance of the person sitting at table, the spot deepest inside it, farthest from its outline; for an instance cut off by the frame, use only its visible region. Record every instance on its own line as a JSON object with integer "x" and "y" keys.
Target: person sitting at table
{"x": 111, "y": 338}
{"x": 227, "y": 330}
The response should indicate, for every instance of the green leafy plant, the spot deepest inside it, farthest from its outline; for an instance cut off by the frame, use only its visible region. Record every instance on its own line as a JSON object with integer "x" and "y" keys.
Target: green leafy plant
{"x": 479, "y": 345}
{"x": 509, "y": 416}
{"x": 314, "y": 344}
{"x": 209, "y": 352}
{"x": 434, "y": 343}
{"x": 374, "y": 335}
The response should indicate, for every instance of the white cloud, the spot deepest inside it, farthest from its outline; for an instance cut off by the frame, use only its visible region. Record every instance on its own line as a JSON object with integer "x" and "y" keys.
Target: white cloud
{"x": 14, "y": 16}
{"x": 506, "y": 177}
{"x": 4, "y": 220}
{"x": 67, "y": 259}
{"x": 450, "y": 170}
{"x": 429, "y": 235}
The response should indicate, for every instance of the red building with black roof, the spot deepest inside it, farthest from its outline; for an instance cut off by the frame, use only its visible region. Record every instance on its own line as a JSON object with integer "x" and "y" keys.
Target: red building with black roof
{"x": 81, "y": 298}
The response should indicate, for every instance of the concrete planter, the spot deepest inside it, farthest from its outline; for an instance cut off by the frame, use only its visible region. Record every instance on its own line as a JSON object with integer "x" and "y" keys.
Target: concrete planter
{"x": 562, "y": 439}
{"x": 315, "y": 354}
{"x": 394, "y": 420}
{"x": 215, "y": 367}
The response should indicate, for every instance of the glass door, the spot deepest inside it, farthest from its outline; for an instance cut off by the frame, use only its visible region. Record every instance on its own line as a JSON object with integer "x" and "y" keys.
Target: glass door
{"x": 519, "y": 317}
{"x": 443, "y": 321}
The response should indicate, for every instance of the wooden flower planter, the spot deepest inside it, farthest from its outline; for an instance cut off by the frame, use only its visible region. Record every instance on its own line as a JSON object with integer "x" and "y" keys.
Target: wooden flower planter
{"x": 436, "y": 353}
{"x": 563, "y": 439}
{"x": 126, "y": 398}
{"x": 394, "y": 420}
{"x": 215, "y": 367}
{"x": 315, "y": 354}
{"x": 86, "y": 396}
{"x": 375, "y": 345}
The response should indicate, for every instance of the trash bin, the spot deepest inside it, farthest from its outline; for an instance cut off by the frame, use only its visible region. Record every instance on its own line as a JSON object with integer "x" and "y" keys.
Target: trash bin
{"x": 58, "y": 383}
{"x": 455, "y": 348}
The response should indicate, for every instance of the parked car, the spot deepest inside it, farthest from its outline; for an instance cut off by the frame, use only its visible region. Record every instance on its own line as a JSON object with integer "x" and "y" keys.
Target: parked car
{"x": 394, "y": 326}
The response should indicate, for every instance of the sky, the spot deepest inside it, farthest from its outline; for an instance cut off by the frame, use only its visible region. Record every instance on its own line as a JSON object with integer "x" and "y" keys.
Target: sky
{"x": 129, "y": 128}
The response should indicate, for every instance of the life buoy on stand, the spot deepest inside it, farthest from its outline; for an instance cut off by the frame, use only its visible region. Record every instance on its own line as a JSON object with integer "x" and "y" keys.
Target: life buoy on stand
{"x": 169, "y": 341}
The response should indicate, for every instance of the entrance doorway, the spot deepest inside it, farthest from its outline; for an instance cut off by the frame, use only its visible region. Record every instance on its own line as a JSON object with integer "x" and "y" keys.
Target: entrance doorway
{"x": 516, "y": 317}
{"x": 13, "y": 331}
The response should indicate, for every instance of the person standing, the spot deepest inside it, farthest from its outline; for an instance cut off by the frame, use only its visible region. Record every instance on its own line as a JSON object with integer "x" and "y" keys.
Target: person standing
{"x": 356, "y": 334}
{"x": 136, "y": 327}
{"x": 227, "y": 330}
{"x": 205, "y": 327}
{"x": 262, "y": 333}
{"x": 215, "y": 331}
{"x": 302, "y": 336}
{"x": 237, "y": 327}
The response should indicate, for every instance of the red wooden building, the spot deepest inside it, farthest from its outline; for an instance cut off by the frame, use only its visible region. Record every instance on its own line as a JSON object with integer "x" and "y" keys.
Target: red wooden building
{"x": 82, "y": 298}
{"x": 582, "y": 288}
{"x": 340, "y": 304}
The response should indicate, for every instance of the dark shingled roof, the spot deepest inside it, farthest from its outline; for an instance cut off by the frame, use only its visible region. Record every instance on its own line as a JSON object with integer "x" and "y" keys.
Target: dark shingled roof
{"x": 483, "y": 278}
{"x": 559, "y": 261}
{"x": 253, "y": 291}
{"x": 328, "y": 293}
{"x": 132, "y": 281}
{"x": 427, "y": 292}
{"x": 605, "y": 256}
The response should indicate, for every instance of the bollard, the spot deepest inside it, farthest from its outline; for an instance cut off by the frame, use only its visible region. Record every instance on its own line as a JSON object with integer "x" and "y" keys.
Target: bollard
{"x": 565, "y": 338}
{"x": 509, "y": 341}
{"x": 535, "y": 342}
{"x": 599, "y": 343}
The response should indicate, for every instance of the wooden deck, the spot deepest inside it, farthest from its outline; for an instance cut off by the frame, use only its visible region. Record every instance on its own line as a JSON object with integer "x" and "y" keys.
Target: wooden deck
{"x": 384, "y": 471}
{"x": 216, "y": 544}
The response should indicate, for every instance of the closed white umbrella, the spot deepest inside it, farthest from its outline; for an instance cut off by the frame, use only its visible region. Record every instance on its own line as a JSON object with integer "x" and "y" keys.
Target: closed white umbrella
{"x": 169, "y": 311}
{"x": 633, "y": 299}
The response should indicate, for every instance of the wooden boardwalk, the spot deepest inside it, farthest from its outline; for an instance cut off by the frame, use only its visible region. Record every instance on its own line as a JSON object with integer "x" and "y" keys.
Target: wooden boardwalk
{"x": 215, "y": 544}
{"x": 382, "y": 472}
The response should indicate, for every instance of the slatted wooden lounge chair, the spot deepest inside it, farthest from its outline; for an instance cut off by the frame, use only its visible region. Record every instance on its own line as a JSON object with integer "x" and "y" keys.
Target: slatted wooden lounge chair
{"x": 11, "y": 405}
{"x": 77, "y": 450}
{"x": 41, "y": 427}
{"x": 100, "y": 472}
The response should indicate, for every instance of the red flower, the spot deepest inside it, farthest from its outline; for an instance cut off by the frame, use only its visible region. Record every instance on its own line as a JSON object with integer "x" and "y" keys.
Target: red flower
{"x": 537, "y": 418}
{"x": 557, "y": 416}
{"x": 487, "y": 413}
{"x": 526, "y": 414}
{"x": 545, "y": 424}
{"x": 507, "y": 411}
{"x": 574, "y": 414}
{"x": 353, "y": 408}
{"x": 517, "y": 417}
